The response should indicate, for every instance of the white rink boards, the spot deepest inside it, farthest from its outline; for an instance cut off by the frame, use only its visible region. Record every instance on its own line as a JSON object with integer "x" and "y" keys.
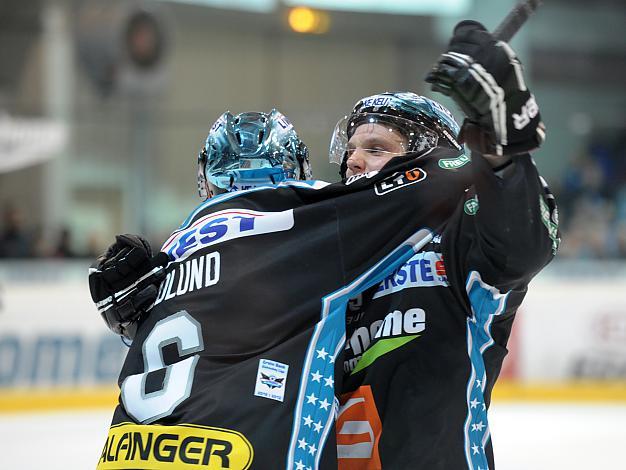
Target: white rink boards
{"x": 527, "y": 436}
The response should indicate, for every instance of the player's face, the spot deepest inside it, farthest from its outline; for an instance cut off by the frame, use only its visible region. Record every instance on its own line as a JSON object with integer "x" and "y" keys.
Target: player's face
{"x": 372, "y": 146}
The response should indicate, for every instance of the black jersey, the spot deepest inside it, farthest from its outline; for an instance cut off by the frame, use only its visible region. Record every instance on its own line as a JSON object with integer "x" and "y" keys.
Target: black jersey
{"x": 235, "y": 365}
{"x": 425, "y": 346}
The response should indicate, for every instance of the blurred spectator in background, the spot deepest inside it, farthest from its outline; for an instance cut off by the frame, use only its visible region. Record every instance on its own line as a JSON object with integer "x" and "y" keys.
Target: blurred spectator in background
{"x": 14, "y": 239}
{"x": 64, "y": 249}
{"x": 592, "y": 195}
{"x": 593, "y": 202}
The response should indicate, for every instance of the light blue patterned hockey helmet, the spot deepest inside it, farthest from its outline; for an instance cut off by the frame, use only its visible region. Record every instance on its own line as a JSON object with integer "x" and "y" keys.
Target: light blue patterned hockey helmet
{"x": 424, "y": 122}
{"x": 250, "y": 149}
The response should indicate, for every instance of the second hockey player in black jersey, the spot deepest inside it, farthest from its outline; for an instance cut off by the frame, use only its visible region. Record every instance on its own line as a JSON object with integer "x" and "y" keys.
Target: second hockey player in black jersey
{"x": 425, "y": 346}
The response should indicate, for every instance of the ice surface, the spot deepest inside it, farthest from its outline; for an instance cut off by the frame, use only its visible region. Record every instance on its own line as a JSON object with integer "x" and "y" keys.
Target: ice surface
{"x": 526, "y": 436}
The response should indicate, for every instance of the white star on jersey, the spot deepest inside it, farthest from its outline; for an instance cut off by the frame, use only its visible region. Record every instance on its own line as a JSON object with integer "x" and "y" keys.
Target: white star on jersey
{"x": 324, "y": 404}
{"x": 321, "y": 353}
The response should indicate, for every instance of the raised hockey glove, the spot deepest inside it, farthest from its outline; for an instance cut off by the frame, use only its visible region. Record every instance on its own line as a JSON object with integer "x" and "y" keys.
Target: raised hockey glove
{"x": 124, "y": 282}
{"x": 484, "y": 77}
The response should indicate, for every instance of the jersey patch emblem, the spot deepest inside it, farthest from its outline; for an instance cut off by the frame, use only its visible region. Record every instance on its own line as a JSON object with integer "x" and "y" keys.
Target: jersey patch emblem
{"x": 471, "y": 206}
{"x": 453, "y": 163}
{"x": 399, "y": 180}
{"x": 271, "y": 379}
{"x": 358, "y": 431}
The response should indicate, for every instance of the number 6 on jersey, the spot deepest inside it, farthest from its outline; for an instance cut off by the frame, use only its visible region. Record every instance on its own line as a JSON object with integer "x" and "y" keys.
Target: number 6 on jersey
{"x": 180, "y": 329}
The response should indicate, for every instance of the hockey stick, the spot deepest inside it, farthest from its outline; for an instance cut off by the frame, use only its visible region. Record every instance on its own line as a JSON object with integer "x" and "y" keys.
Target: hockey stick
{"x": 512, "y": 22}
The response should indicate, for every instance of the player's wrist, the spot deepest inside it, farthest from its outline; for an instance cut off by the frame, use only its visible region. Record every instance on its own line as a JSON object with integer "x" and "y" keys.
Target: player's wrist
{"x": 498, "y": 162}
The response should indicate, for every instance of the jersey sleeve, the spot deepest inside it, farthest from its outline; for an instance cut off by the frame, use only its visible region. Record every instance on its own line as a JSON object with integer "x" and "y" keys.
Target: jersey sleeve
{"x": 506, "y": 230}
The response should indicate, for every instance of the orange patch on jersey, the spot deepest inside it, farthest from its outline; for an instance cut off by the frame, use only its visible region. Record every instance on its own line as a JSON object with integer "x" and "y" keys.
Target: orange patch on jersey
{"x": 358, "y": 431}
{"x": 414, "y": 175}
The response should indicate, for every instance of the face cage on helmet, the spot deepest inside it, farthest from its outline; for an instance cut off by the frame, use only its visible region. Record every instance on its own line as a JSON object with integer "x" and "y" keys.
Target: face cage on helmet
{"x": 420, "y": 138}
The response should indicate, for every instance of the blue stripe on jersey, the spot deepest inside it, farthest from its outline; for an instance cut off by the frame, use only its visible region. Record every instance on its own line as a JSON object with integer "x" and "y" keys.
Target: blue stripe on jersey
{"x": 316, "y": 407}
{"x": 312, "y": 184}
{"x": 486, "y": 302}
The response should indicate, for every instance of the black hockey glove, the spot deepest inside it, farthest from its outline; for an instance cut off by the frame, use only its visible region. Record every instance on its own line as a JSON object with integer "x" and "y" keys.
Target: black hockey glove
{"x": 124, "y": 282}
{"x": 484, "y": 77}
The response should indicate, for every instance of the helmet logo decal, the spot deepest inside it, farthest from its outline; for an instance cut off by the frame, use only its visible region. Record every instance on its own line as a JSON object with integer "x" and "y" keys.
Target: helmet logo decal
{"x": 451, "y": 139}
{"x": 442, "y": 109}
{"x": 219, "y": 123}
{"x": 283, "y": 121}
{"x": 377, "y": 100}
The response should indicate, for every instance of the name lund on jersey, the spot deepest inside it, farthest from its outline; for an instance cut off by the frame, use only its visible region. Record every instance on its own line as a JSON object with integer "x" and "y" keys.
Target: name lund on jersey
{"x": 193, "y": 274}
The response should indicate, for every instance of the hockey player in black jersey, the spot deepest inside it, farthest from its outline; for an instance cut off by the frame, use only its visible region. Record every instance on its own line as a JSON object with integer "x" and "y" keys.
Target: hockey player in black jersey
{"x": 242, "y": 151}
{"x": 425, "y": 346}
{"x": 234, "y": 366}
